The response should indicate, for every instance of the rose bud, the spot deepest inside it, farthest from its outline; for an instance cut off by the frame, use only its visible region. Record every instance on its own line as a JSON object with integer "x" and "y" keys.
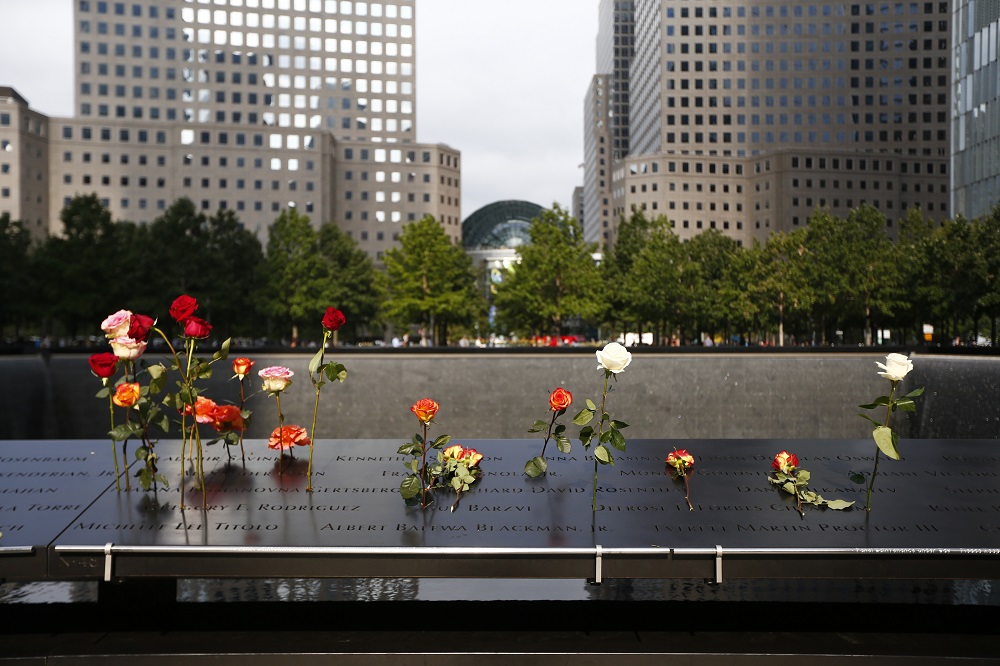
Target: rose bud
{"x": 103, "y": 365}
{"x": 560, "y": 399}
{"x": 333, "y": 319}
{"x": 425, "y": 409}
{"x": 196, "y": 327}
{"x": 242, "y": 366}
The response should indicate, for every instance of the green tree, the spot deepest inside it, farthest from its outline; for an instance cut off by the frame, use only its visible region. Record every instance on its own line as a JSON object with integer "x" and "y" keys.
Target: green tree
{"x": 430, "y": 281}
{"x": 353, "y": 284}
{"x": 16, "y": 292}
{"x": 634, "y": 233}
{"x": 778, "y": 282}
{"x": 556, "y": 279}
{"x": 91, "y": 269}
{"x": 710, "y": 254}
{"x": 233, "y": 260}
{"x": 657, "y": 284}
{"x": 294, "y": 273}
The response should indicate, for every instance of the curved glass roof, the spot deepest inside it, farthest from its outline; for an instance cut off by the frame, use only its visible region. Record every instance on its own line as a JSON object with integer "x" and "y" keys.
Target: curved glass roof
{"x": 503, "y": 224}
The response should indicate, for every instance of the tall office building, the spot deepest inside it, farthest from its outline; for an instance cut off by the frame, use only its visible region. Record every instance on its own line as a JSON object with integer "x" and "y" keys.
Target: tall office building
{"x": 746, "y": 116}
{"x": 255, "y": 106}
{"x": 606, "y": 114}
{"x": 976, "y": 112}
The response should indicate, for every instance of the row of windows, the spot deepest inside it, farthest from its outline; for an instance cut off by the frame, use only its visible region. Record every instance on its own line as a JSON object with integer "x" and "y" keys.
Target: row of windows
{"x": 782, "y": 101}
{"x": 798, "y": 65}
{"x": 796, "y": 10}
{"x": 806, "y": 46}
{"x": 347, "y": 7}
{"x": 143, "y": 204}
{"x": 809, "y": 119}
{"x": 770, "y": 137}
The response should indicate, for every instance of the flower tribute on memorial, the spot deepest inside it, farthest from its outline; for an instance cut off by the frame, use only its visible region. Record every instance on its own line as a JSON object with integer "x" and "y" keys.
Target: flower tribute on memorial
{"x": 461, "y": 469}
{"x": 128, "y": 334}
{"x": 559, "y": 402}
{"x": 895, "y": 369}
{"x": 613, "y": 360}
{"x": 681, "y": 462}
{"x": 789, "y": 477}
{"x": 318, "y": 370}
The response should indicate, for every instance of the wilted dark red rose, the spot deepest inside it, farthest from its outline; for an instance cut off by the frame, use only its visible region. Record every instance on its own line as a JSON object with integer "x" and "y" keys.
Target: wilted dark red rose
{"x": 140, "y": 327}
{"x": 183, "y": 307}
{"x": 196, "y": 327}
{"x": 103, "y": 364}
{"x": 333, "y": 319}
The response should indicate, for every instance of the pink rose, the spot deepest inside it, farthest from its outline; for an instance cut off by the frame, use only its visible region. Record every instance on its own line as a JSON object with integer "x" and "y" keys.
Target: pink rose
{"x": 117, "y": 325}
{"x": 276, "y": 378}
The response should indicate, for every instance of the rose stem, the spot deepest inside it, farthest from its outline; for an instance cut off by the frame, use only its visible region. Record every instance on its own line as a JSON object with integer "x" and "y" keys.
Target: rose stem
{"x": 549, "y": 434}
{"x": 687, "y": 490}
{"x": 423, "y": 469}
{"x": 871, "y": 482}
{"x": 600, "y": 434}
{"x": 114, "y": 449}
{"x": 243, "y": 452}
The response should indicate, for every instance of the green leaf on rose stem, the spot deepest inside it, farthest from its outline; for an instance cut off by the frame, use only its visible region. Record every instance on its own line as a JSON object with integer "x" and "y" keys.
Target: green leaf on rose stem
{"x": 123, "y": 431}
{"x": 538, "y": 426}
{"x": 162, "y": 480}
{"x": 584, "y": 417}
{"x": 868, "y": 418}
{"x": 563, "y": 444}
{"x": 586, "y": 434}
{"x": 789, "y": 488}
{"x": 603, "y": 455}
{"x": 856, "y": 477}
{"x": 605, "y": 437}
{"x": 591, "y": 406}
{"x": 802, "y": 478}
{"x": 441, "y": 442}
{"x": 559, "y": 429}
{"x": 315, "y": 361}
{"x": 886, "y": 440}
{"x": 906, "y": 404}
{"x": 104, "y": 392}
{"x": 456, "y": 483}
{"x": 915, "y": 394}
{"x": 410, "y": 487}
{"x": 617, "y": 440}
{"x": 536, "y": 467}
{"x": 223, "y": 352}
{"x": 145, "y": 478}
{"x": 413, "y": 465}
{"x": 619, "y": 425}
{"x": 157, "y": 370}
{"x": 203, "y": 371}
{"x": 839, "y": 505}
{"x": 141, "y": 453}
{"x": 409, "y": 449}
{"x": 336, "y": 372}
{"x": 881, "y": 401}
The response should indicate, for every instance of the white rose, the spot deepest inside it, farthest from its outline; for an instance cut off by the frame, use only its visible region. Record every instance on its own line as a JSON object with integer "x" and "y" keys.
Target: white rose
{"x": 613, "y": 358}
{"x": 896, "y": 367}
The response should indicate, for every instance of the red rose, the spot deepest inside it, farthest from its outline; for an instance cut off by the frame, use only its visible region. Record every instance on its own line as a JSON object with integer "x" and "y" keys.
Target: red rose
{"x": 103, "y": 365}
{"x": 333, "y": 319}
{"x": 196, "y": 327}
{"x": 680, "y": 460}
{"x": 560, "y": 399}
{"x": 140, "y": 327}
{"x": 183, "y": 307}
{"x": 425, "y": 409}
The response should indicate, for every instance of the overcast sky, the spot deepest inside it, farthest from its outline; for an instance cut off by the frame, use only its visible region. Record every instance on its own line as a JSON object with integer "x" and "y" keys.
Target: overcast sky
{"x": 503, "y": 81}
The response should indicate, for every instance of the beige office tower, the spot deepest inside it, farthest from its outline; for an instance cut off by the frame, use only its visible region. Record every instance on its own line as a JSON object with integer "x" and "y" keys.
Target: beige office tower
{"x": 746, "y": 117}
{"x": 254, "y": 106}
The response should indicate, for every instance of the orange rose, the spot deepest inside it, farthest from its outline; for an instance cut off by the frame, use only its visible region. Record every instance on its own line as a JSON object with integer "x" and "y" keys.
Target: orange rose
{"x": 242, "y": 366}
{"x": 285, "y": 437}
{"x": 680, "y": 460}
{"x": 785, "y": 462}
{"x": 227, "y": 417}
{"x": 425, "y": 409}
{"x": 471, "y": 458}
{"x": 127, "y": 394}
{"x": 560, "y": 399}
{"x": 204, "y": 409}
